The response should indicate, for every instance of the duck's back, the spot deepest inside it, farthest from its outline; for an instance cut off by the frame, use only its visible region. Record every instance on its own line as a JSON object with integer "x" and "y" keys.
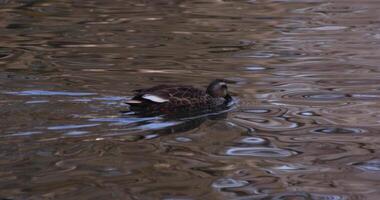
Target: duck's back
{"x": 167, "y": 99}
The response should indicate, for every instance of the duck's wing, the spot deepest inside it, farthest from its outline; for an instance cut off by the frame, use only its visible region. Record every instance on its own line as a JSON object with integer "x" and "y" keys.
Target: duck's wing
{"x": 186, "y": 92}
{"x": 165, "y": 93}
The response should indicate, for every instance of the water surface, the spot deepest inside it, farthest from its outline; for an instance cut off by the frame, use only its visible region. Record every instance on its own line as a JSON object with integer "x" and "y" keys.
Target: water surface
{"x": 306, "y": 125}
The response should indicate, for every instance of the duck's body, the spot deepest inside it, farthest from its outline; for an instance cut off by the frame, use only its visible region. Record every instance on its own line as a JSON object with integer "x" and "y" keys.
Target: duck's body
{"x": 168, "y": 99}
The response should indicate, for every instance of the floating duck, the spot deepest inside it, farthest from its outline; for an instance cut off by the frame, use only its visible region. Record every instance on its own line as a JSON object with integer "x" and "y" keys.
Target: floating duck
{"x": 168, "y": 99}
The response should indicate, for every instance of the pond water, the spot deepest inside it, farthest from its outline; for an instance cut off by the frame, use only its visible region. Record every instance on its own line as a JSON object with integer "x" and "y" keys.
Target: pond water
{"x": 307, "y": 86}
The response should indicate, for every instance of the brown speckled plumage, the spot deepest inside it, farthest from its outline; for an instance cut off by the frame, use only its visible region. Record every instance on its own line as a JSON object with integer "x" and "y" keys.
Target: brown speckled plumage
{"x": 178, "y": 99}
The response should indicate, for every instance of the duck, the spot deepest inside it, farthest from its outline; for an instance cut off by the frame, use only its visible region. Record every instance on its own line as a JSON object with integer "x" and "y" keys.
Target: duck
{"x": 169, "y": 99}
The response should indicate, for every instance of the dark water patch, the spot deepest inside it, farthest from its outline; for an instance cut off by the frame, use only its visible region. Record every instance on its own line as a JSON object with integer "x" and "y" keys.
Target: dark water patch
{"x": 5, "y": 55}
{"x": 65, "y": 44}
{"x": 17, "y": 26}
{"x": 49, "y": 93}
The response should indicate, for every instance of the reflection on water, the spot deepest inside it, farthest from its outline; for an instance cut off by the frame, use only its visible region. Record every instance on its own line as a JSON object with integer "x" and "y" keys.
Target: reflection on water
{"x": 305, "y": 126}
{"x": 48, "y": 93}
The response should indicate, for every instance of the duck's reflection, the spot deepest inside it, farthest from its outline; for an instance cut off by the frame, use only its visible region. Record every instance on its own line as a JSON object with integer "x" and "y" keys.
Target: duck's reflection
{"x": 149, "y": 127}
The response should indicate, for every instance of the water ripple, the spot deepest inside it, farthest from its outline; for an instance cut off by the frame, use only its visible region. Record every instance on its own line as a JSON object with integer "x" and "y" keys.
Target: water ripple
{"x": 337, "y": 130}
{"x": 63, "y": 127}
{"x": 306, "y": 73}
{"x": 259, "y": 152}
{"x": 254, "y": 140}
{"x": 229, "y": 183}
{"x": 369, "y": 166}
{"x": 49, "y": 93}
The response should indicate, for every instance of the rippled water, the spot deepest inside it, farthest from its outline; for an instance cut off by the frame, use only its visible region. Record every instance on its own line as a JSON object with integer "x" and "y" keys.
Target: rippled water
{"x": 306, "y": 125}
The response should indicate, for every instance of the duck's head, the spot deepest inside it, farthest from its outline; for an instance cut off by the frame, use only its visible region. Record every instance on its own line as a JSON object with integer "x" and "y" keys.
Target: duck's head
{"x": 218, "y": 89}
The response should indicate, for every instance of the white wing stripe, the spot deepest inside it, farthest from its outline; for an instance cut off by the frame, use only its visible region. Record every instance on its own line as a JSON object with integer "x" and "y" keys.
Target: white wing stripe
{"x": 154, "y": 98}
